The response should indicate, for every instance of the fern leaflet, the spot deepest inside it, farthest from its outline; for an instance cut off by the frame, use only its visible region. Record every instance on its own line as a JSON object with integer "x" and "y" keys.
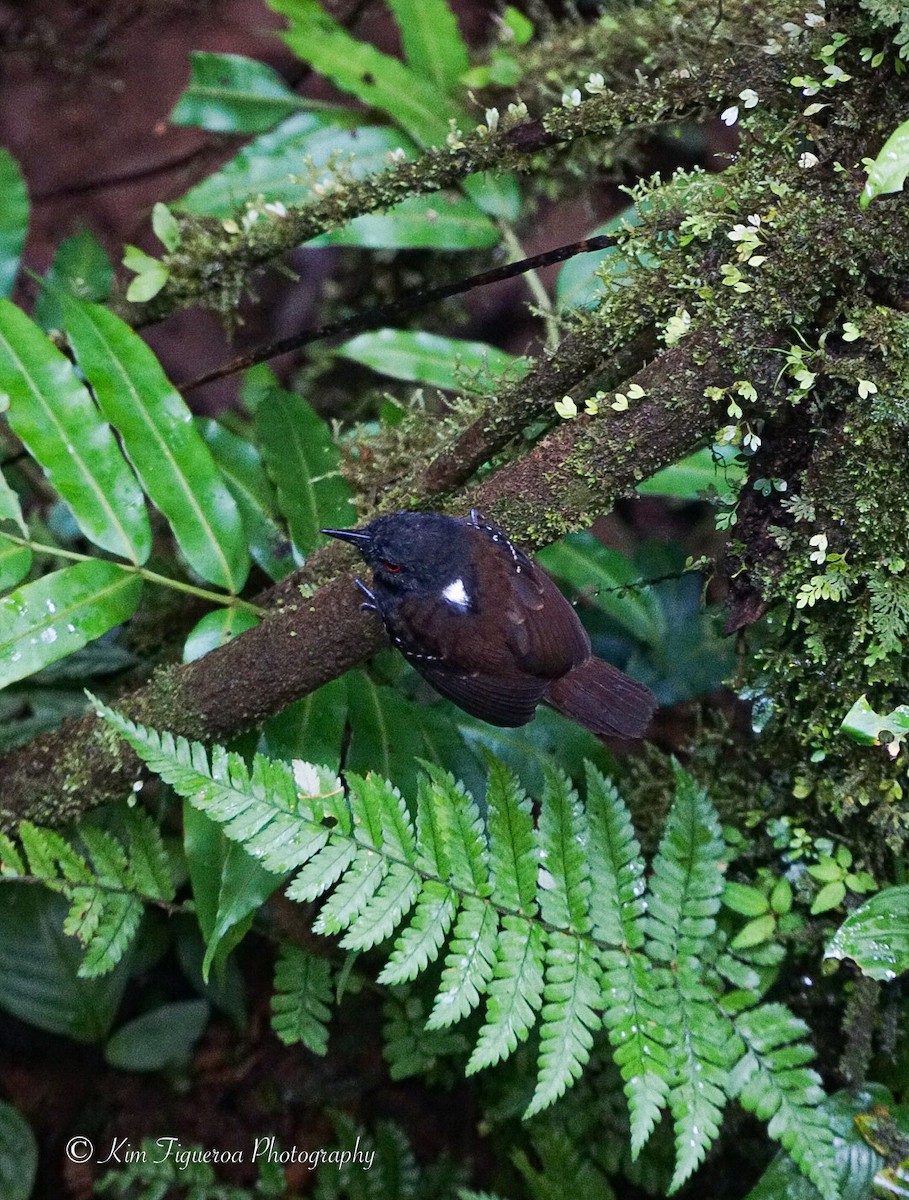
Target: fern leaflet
{"x": 300, "y": 1007}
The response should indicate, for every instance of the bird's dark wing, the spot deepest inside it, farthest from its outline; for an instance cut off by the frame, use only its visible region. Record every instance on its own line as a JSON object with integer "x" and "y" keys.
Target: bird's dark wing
{"x": 498, "y": 700}
{"x": 541, "y": 629}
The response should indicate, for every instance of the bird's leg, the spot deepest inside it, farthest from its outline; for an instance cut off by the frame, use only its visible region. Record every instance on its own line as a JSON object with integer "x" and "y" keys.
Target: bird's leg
{"x": 370, "y": 604}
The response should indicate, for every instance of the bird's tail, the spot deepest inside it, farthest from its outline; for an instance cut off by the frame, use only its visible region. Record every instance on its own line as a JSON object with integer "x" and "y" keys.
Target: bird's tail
{"x": 603, "y": 699}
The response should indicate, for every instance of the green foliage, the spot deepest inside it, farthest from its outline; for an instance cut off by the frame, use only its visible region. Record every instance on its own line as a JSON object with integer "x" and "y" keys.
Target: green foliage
{"x": 18, "y": 1154}
{"x": 876, "y": 935}
{"x": 13, "y": 220}
{"x": 300, "y": 1006}
{"x": 41, "y": 969}
{"x": 891, "y": 14}
{"x": 105, "y": 886}
{"x": 426, "y": 358}
{"x": 303, "y": 462}
{"x": 550, "y": 924}
{"x": 161, "y": 1039}
{"x": 228, "y": 93}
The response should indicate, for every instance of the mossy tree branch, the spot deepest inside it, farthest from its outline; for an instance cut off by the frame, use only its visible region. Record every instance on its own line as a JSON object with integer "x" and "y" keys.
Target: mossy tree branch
{"x": 307, "y": 639}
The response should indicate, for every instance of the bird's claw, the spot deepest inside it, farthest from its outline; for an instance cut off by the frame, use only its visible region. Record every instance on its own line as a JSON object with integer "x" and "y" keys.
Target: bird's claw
{"x": 370, "y": 603}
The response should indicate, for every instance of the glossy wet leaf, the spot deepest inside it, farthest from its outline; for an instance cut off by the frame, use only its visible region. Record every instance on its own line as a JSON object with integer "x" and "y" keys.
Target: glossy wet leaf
{"x": 870, "y": 728}
{"x": 215, "y": 629}
{"x": 13, "y": 220}
{"x": 53, "y": 616}
{"x": 438, "y": 222}
{"x": 695, "y": 475}
{"x": 876, "y": 935}
{"x": 229, "y": 886}
{"x": 15, "y": 559}
{"x": 52, "y": 412}
{"x": 242, "y": 469}
{"x": 311, "y": 729}
{"x": 888, "y": 171}
{"x": 427, "y": 358}
{"x": 580, "y": 281}
{"x": 171, "y": 459}
{"x": 228, "y": 93}
{"x": 304, "y": 464}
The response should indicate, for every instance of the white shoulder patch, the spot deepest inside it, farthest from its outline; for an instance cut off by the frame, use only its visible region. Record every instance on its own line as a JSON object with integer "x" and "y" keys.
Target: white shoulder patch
{"x": 456, "y": 593}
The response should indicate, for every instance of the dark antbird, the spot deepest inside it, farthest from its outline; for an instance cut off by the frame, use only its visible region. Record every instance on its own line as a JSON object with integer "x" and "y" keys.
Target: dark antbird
{"x": 487, "y": 628}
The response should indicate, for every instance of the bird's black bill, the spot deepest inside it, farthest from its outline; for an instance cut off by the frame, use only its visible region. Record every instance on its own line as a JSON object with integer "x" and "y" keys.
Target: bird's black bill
{"x": 354, "y": 536}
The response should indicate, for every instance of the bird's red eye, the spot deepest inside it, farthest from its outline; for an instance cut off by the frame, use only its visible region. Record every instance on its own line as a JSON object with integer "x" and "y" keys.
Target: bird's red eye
{"x": 393, "y": 567}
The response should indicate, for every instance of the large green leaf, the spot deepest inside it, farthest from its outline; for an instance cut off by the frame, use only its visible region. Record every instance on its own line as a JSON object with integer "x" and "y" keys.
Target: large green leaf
{"x": 433, "y": 45}
{"x": 158, "y": 1039}
{"x": 602, "y": 576}
{"x": 54, "y": 415}
{"x": 216, "y": 628}
{"x": 381, "y": 81}
{"x": 311, "y": 729}
{"x": 228, "y": 93}
{"x": 304, "y": 463}
{"x": 888, "y": 171}
{"x": 15, "y": 563}
{"x": 13, "y": 220}
{"x": 80, "y": 268}
{"x": 696, "y": 474}
{"x": 876, "y": 935}
{"x": 51, "y": 617}
{"x": 241, "y": 466}
{"x": 581, "y": 281}
{"x": 857, "y": 1161}
{"x": 171, "y": 459}
{"x": 427, "y": 358}
{"x": 18, "y": 1154}
{"x": 229, "y": 886}
{"x": 440, "y": 222}
{"x": 39, "y": 969}
{"x": 285, "y": 163}
{"x": 15, "y": 560}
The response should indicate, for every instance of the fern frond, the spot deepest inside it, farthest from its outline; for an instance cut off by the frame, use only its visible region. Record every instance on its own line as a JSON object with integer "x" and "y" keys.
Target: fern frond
{"x": 705, "y": 1048}
{"x": 111, "y": 937}
{"x": 325, "y": 867}
{"x": 106, "y": 894}
{"x": 300, "y": 1006}
{"x": 515, "y": 993}
{"x": 107, "y": 854}
{"x": 684, "y": 899}
{"x": 552, "y": 924}
{"x": 357, "y": 887}
{"x": 773, "y": 1082}
{"x": 421, "y": 941}
{"x": 48, "y": 852}
{"x": 460, "y": 832}
{"x": 616, "y": 864}
{"x": 571, "y": 995}
{"x": 384, "y": 912}
{"x": 513, "y": 853}
{"x": 631, "y": 985}
{"x": 11, "y": 862}
{"x": 469, "y": 963}
{"x": 150, "y": 871}
{"x": 564, "y": 888}
{"x": 634, "y": 1020}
